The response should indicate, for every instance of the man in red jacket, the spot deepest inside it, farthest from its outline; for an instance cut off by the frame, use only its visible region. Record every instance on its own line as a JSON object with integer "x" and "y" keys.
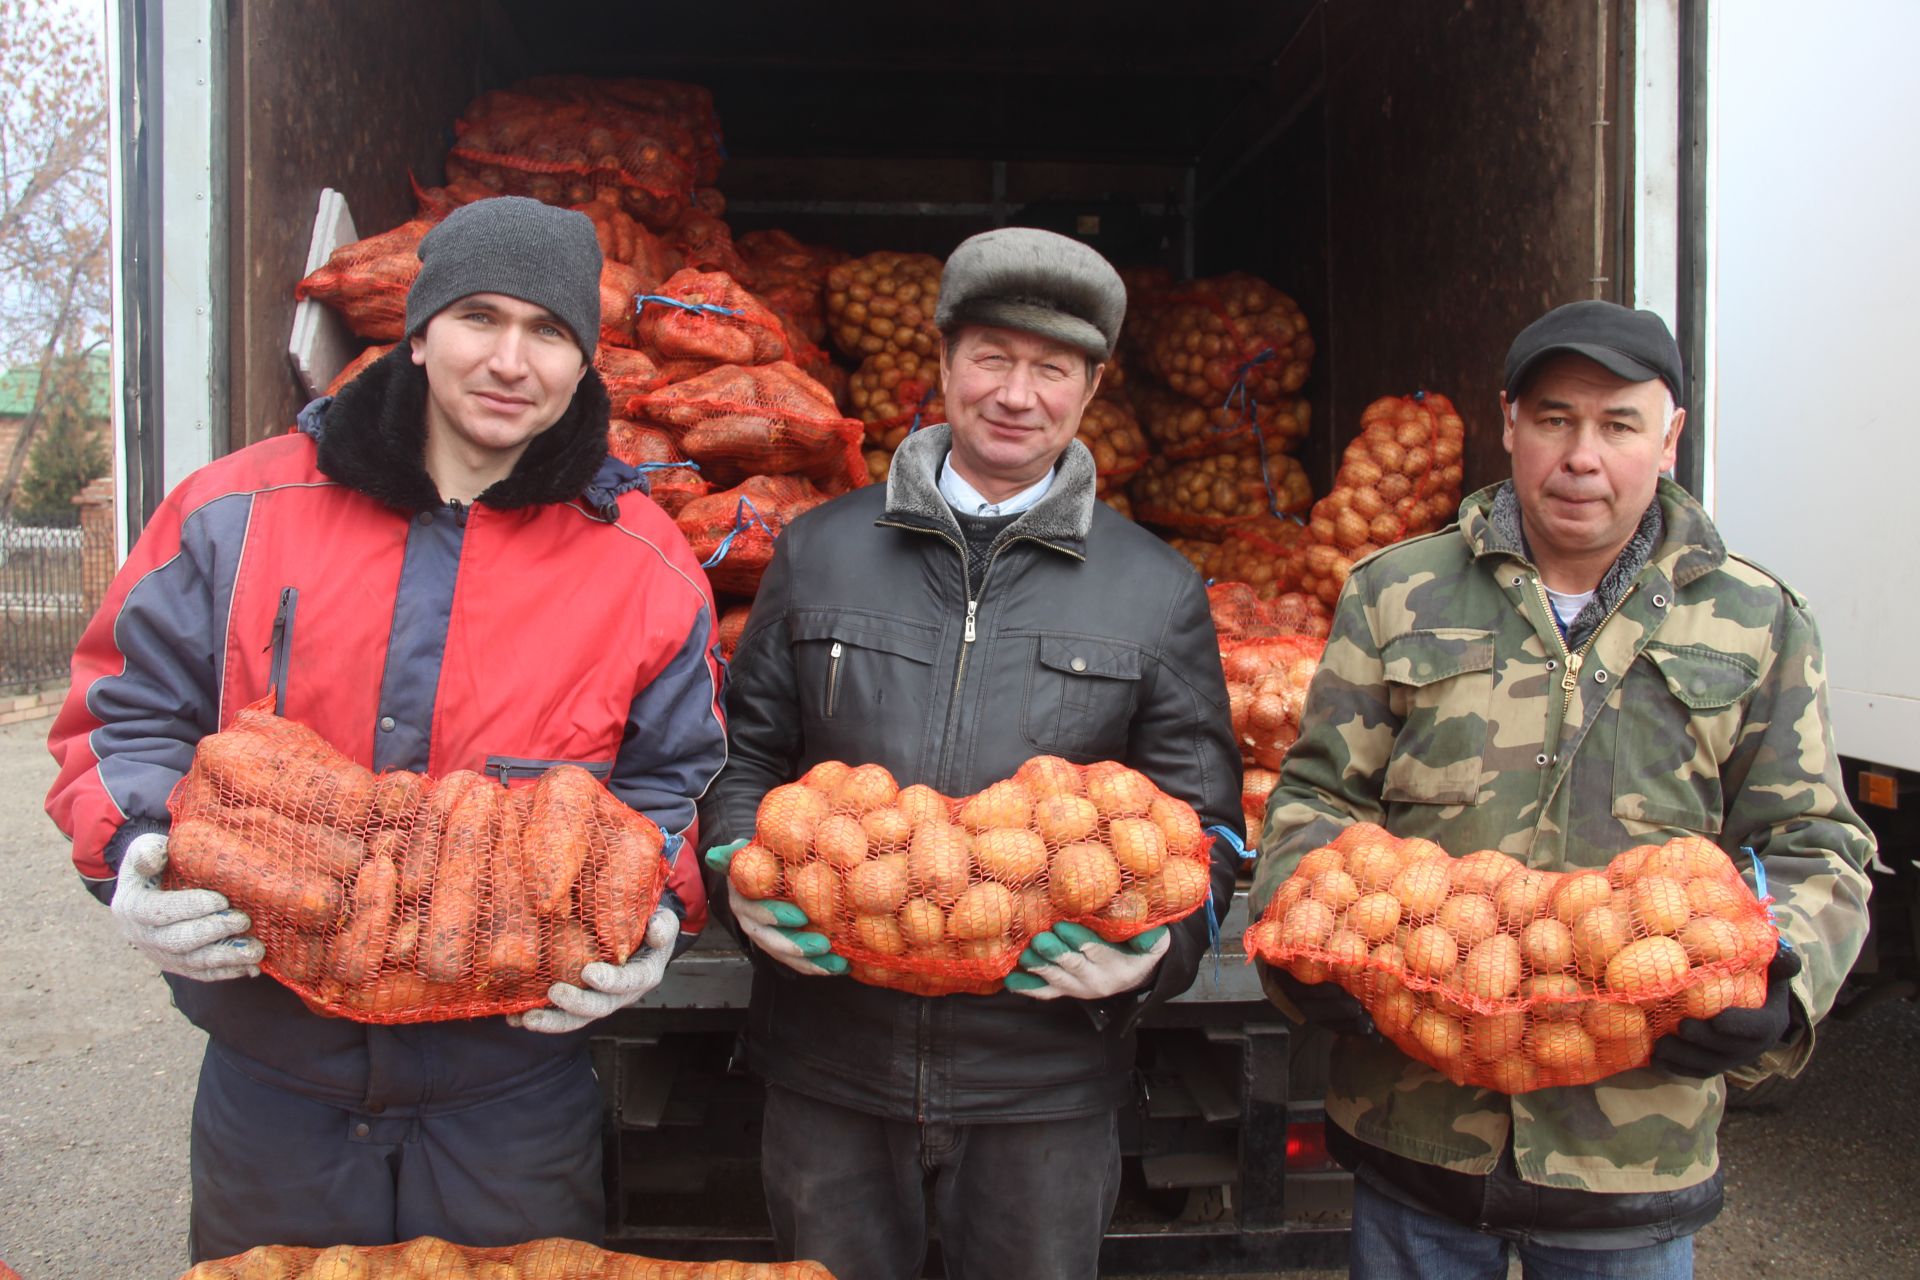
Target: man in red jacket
{"x": 441, "y": 570}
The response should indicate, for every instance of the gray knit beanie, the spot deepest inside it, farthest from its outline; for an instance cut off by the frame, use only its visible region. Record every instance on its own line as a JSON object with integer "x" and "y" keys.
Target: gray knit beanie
{"x": 516, "y": 246}
{"x": 1037, "y": 282}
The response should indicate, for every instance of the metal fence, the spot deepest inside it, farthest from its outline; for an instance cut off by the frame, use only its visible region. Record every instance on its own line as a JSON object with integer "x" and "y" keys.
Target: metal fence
{"x": 42, "y": 604}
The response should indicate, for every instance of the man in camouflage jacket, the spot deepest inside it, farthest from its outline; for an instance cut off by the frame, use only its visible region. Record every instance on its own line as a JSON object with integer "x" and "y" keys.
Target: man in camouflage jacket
{"x": 1682, "y": 692}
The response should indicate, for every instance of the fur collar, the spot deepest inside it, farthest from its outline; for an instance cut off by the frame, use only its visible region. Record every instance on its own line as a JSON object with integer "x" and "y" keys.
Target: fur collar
{"x": 372, "y": 438}
{"x": 1062, "y": 517}
{"x": 1508, "y": 532}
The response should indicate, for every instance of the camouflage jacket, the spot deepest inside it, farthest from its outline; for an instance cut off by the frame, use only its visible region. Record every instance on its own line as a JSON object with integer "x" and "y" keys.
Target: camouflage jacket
{"x": 1447, "y": 706}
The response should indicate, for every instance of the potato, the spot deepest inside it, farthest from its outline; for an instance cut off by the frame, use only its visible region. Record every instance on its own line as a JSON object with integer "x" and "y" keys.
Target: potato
{"x": 1523, "y": 896}
{"x": 1065, "y": 819}
{"x": 1394, "y": 1011}
{"x": 817, "y": 890}
{"x": 1335, "y": 888}
{"x": 1179, "y": 889}
{"x": 1010, "y": 855}
{"x": 887, "y": 828}
{"x": 880, "y": 886}
{"x": 1512, "y": 1075}
{"x": 1470, "y": 916}
{"x": 1421, "y": 886}
{"x": 1647, "y": 966}
{"x": 1432, "y": 951}
{"x": 1547, "y": 946}
{"x": 1709, "y": 940}
{"x": 434, "y": 1257}
{"x": 1493, "y": 1036}
{"x": 1491, "y": 970}
{"x": 1710, "y": 897}
{"x": 1624, "y": 868}
{"x": 1375, "y": 866}
{"x": 1374, "y": 916}
{"x": 1045, "y": 776}
{"x": 1579, "y": 893}
{"x": 1659, "y": 904}
{"x": 1308, "y": 923}
{"x": 921, "y": 803}
{"x": 1607, "y": 1020}
{"x": 922, "y": 923}
{"x": 1598, "y": 935}
{"x": 1004, "y": 804}
{"x": 1084, "y": 877}
{"x": 841, "y": 840}
{"x": 1553, "y": 996}
{"x": 786, "y": 819}
{"x": 1138, "y": 845}
{"x": 1348, "y": 951}
{"x": 1482, "y": 872}
{"x": 826, "y": 775}
{"x": 1439, "y": 1035}
{"x": 1179, "y": 824}
{"x": 938, "y": 861}
{"x": 984, "y": 910}
{"x": 755, "y": 872}
{"x": 1561, "y": 1046}
{"x": 1119, "y": 792}
{"x": 1129, "y": 907}
{"x": 341, "y": 1262}
{"x": 879, "y": 933}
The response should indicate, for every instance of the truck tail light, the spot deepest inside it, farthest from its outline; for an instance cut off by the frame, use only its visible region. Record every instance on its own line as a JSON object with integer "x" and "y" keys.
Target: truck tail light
{"x": 1307, "y": 1147}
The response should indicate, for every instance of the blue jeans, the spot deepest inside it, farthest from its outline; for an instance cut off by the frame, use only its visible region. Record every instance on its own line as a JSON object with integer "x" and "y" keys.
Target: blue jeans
{"x": 1394, "y": 1242}
{"x": 1026, "y": 1200}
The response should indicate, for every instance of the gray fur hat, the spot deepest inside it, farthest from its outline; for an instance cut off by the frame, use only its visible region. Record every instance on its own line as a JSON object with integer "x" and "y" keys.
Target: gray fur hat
{"x": 1037, "y": 282}
{"x": 516, "y": 246}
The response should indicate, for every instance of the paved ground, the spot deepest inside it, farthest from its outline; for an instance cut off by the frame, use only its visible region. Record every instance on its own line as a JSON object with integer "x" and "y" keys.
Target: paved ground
{"x": 97, "y": 1073}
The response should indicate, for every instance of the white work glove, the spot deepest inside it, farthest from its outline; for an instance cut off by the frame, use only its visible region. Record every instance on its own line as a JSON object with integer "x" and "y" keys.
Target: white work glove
{"x": 777, "y": 928}
{"x": 609, "y": 987}
{"x": 1069, "y": 960}
{"x": 189, "y": 932}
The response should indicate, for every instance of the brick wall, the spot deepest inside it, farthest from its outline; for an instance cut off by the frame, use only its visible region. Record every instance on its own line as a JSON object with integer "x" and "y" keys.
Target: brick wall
{"x": 96, "y": 541}
{"x": 32, "y": 706}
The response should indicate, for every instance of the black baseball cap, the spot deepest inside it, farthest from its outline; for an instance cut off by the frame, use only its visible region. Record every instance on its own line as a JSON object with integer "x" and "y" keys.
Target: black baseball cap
{"x": 1635, "y": 345}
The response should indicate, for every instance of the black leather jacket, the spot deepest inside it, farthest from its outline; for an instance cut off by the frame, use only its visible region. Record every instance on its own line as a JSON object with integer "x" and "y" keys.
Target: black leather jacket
{"x": 1090, "y": 639}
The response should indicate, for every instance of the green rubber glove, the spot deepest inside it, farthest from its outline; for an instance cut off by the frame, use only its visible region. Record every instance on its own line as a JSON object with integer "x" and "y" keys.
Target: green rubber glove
{"x": 775, "y": 927}
{"x": 1072, "y": 960}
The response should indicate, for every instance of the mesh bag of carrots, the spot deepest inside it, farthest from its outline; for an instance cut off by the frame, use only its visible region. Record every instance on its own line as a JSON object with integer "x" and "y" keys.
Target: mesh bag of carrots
{"x": 672, "y": 480}
{"x": 768, "y": 419}
{"x": 430, "y": 1258}
{"x": 884, "y": 302}
{"x": 934, "y": 895}
{"x": 1210, "y": 336}
{"x": 1513, "y": 979}
{"x": 367, "y": 281}
{"x": 707, "y": 315}
{"x": 1400, "y": 477}
{"x": 1209, "y": 496}
{"x": 406, "y": 898}
{"x": 625, "y": 239}
{"x": 687, "y": 107}
{"x": 733, "y": 531}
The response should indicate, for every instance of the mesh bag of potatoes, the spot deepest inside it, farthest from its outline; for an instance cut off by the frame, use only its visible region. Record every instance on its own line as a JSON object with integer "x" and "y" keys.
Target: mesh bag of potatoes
{"x": 672, "y": 479}
{"x": 733, "y": 531}
{"x": 936, "y": 895}
{"x": 884, "y": 302}
{"x": 1211, "y": 336}
{"x": 1513, "y": 979}
{"x": 892, "y": 392}
{"x": 403, "y": 897}
{"x": 1264, "y": 553}
{"x": 1267, "y": 680}
{"x": 1399, "y": 478}
{"x": 1255, "y": 786}
{"x": 430, "y": 1258}
{"x": 1211, "y": 495}
{"x": 687, "y": 108}
{"x": 1119, "y": 447}
{"x": 767, "y": 419}
{"x": 1181, "y": 428}
{"x": 791, "y": 277}
{"x": 367, "y": 281}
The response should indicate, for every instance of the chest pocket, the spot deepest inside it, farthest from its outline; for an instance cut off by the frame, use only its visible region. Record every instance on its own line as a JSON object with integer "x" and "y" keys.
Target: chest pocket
{"x": 1440, "y": 685}
{"x": 854, "y": 669}
{"x": 1080, "y": 697}
{"x": 1680, "y": 711}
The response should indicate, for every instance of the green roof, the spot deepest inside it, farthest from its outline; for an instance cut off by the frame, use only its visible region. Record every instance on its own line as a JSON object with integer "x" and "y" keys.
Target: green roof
{"x": 19, "y": 385}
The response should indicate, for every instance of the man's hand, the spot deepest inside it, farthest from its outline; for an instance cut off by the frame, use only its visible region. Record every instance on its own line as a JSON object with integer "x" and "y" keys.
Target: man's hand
{"x": 188, "y": 932}
{"x": 1735, "y": 1037}
{"x": 1069, "y": 960}
{"x": 776, "y": 928}
{"x": 1322, "y": 1004}
{"x": 608, "y": 988}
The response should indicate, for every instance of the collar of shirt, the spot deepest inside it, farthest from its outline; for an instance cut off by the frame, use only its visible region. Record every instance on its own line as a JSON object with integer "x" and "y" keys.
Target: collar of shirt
{"x": 967, "y": 500}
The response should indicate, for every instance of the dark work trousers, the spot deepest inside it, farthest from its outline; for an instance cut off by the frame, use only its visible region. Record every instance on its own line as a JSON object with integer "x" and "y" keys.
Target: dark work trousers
{"x": 274, "y": 1167}
{"x": 1011, "y": 1200}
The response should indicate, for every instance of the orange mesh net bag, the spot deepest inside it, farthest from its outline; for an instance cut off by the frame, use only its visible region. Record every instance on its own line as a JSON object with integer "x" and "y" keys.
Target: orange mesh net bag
{"x": 707, "y": 315}
{"x": 1267, "y": 680}
{"x": 937, "y": 895}
{"x": 1212, "y": 495}
{"x": 568, "y": 152}
{"x": 1399, "y": 478}
{"x": 430, "y": 1258}
{"x": 1513, "y": 979}
{"x": 355, "y": 366}
{"x": 687, "y": 107}
{"x": 1119, "y": 447}
{"x": 790, "y": 277}
{"x": 625, "y": 239}
{"x": 367, "y": 281}
{"x": 1181, "y": 428}
{"x": 1236, "y": 332}
{"x": 405, "y": 898}
{"x": 1265, "y": 554}
{"x": 733, "y": 531}
{"x": 894, "y": 393}
{"x": 672, "y": 480}
{"x": 733, "y": 625}
{"x": 884, "y": 302}
{"x": 769, "y": 419}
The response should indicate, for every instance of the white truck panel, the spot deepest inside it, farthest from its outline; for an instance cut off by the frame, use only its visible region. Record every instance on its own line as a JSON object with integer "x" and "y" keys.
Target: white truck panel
{"x": 1817, "y": 460}
{"x": 189, "y": 320}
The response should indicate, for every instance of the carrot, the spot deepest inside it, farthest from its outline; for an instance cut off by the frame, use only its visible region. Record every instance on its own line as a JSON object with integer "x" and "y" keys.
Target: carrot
{"x": 205, "y": 854}
{"x": 285, "y": 840}
{"x": 555, "y": 840}
{"x": 569, "y": 951}
{"x": 513, "y": 953}
{"x": 623, "y": 886}
{"x": 453, "y": 907}
{"x": 423, "y": 845}
{"x": 359, "y": 948}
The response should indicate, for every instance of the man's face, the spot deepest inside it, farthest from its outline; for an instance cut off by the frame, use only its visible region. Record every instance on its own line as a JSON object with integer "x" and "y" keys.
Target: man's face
{"x": 499, "y": 372}
{"x": 1588, "y": 448}
{"x": 1014, "y": 401}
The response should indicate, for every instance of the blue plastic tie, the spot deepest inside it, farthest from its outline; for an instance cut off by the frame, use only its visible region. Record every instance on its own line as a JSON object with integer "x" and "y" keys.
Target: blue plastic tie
{"x": 921, "y": 408}
{"x": 1213, "y": 935}
{"x": 740, "y": 514}
{"x": 1760, "y": 888}
{"x": 1240, "y": 396}
{"x": 1234, "y": 842}
{"x": 645, "y": 467}
{"x": 641, "y": 300}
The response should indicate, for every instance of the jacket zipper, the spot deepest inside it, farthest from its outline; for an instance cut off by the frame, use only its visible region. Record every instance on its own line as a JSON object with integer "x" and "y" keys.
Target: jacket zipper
{"x": 1574, "y": 661}
{"x": 282, "y": 647}
{"x": 833, "y": 677}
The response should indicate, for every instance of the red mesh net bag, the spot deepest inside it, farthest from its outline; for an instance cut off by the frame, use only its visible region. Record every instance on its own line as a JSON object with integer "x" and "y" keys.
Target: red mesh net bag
{"x": 892, "y": 392}
{"x": 356, "y": 365}
{"x": 1203, "y": 553}
{"x": 625, "y": 239}
{"x": 733, "y": 625}
{"x": 688, "y": 107}
{"x": 367, "y": 281}
{"x": 1514, "y": 979}
{"x": 884, "y": 302}
{"x": 1267, "y": 679}
{"x": 405, "y": 898}
{"x": 430, "y": 1258}
{"x": 769, "y": 419}
{"x": 936, "y": 895}
{"x": 567, "y": 152}
{"x": 1212, "y": 495}
{"x": 879, "y": 464}
{"x": 1399, "y": 478}
{"x": 733, "y": 531}
{"x": 1228, "y": 333}
{"x": 1255, "y": 786}
{"x": 790, "y": 277}
{"x": 672, "y": 480}
{"x": 1118, "y": 445}
{"x": 1181, "y": 428}
{"x": 707, "y": 315}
